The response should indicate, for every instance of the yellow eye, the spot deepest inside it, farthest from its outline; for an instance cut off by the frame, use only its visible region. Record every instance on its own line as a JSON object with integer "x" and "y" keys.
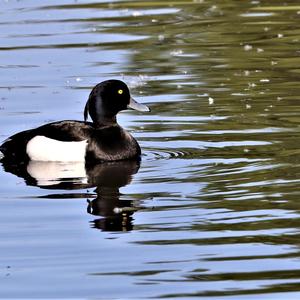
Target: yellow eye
{"x": 120, "y": 92}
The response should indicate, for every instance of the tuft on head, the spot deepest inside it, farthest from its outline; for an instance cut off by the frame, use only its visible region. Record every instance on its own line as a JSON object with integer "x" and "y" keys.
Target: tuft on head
{"x": 86, "y": 111}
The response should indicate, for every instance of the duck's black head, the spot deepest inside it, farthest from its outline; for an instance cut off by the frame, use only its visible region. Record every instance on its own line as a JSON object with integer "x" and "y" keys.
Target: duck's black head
{"x": 107, "y": 99}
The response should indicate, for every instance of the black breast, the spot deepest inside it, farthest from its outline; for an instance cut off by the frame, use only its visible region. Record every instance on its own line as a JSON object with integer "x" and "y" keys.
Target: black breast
{"x": 112, "y": 143}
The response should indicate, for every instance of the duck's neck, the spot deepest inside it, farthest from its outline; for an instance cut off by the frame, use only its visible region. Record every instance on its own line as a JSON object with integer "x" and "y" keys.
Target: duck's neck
{"x": 106, "y": 122}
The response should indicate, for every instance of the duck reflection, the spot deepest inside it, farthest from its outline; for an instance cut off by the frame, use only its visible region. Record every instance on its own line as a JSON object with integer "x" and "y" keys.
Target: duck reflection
{"x": 108, "y": 178}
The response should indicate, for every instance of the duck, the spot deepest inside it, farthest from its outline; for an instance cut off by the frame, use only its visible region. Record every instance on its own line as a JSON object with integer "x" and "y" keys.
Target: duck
{"x": 102, "y": 140}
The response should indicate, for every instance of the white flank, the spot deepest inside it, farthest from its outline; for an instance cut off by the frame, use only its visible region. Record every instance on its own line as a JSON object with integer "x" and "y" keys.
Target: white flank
{"x": 41, "y": 148}
{"x": 50, "y": 173}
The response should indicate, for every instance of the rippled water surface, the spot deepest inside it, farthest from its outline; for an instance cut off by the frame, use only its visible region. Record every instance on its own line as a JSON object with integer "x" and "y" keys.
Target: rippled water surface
{"x": 213, "y": 209}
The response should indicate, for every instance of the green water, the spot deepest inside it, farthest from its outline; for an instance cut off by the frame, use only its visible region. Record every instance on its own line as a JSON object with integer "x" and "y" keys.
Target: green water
{"x": 212, "y": 211}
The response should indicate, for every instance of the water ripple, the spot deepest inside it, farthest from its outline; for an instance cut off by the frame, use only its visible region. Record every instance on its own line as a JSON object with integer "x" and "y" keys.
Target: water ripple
{"x": 214, "y": 208}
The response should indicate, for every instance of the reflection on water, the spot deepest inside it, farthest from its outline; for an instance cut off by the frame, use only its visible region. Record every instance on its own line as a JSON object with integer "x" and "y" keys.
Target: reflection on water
{"x": 219, "y": 178}
{"x": 108, "y": 178}
{"x": 118, "y": 214}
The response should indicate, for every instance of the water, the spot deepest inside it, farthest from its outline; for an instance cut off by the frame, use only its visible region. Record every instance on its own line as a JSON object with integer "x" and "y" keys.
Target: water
{"x": 212, "y": 210}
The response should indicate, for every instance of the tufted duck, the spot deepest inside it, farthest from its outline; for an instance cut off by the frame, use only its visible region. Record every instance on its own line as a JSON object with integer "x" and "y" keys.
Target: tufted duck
{"x": 100, "y": 140}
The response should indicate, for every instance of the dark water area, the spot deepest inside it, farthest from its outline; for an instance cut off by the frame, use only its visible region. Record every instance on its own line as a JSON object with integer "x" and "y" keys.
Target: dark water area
{"x": 212, "y": 210}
